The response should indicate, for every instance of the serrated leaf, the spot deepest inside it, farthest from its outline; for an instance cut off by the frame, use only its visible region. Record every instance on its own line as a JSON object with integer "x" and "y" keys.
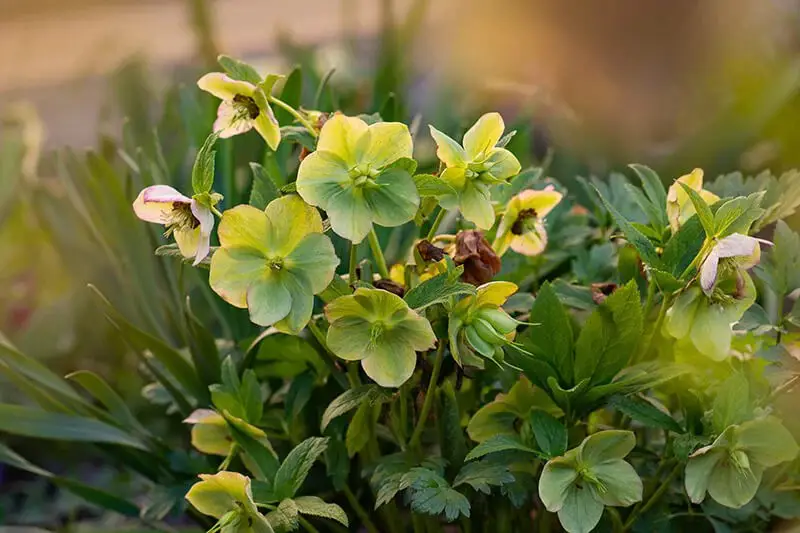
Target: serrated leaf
{"x": 645, "y": 413}
{"x": 361, "y": 427}
{"x": 430, "y": 185}
{"x": 315, "y": 506}
{"x": 203, "y": 169}
{"x": 549, "y": 432}
{"x": 737, "y": 215}
{"x": 294, "y": 469}
{"x": 481, "y": 476}
{"x": 642, "y": 244}
{"x": 265, "y": 188}
{"x": 683, "y": 247}
{"x": 352, "y": 398}
{"x": 550, "y": 339}
{"x": 702, "y": 210}
{"x": 263, "y": 463}
{"x": 437, "y": 289}
{"x": 609, "y": 336}
{"x": 440, "y": 500}
{"x": 499, "y": 443}
{"x": 284, "y": 518}
{"x": 239, "y": 70}
{"x": 653, "y": 188}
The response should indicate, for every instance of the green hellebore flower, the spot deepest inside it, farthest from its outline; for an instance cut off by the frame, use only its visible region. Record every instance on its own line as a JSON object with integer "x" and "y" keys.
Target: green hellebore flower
{"x": 273, "y": 262}
{"x": 705, "y": 326}
{"x": 479, "y": 324}
{"x": 244, "y": 107}
{"x": 228, "y": 497}
{"x": 210, "y": 434}
{"x": 580, "y": 483}
{"x": 730, "y": 469}
{"x": 473, "y": 168}
{"x": 347, "y": 176}
{"x": 378, "y": 328}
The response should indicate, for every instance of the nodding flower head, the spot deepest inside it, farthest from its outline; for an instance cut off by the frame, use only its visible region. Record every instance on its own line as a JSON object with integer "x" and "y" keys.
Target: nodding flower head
{"x": 521, "y": 227}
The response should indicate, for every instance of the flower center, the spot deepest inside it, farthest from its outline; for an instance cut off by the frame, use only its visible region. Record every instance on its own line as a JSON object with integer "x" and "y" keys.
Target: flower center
{"x": 376, "y": 332}
{"x": 180, "y": 218}
{"x": 526, "y": 221}
{"x": 276, "y": 263}
{"x": 363, "y": 174}
{"x": 246, "y": 107}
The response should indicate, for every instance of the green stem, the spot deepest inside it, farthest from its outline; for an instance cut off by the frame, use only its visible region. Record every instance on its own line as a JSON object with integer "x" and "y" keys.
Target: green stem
{"x": 362, "y": 514}
{"x": 616, "y": 521}
{"x": 377, "y": 253}
{"x": 662, "y": 312}
{"x": 426, "y": 406}
{"x": 641, "y": 508}
{"x": 353, "y": 262}
{"x": 216, "y": 211}
{"x": 417, "y": 523}
{"x": 307, "y": 525}
{"x": 292, "y": 111}
{"x": 436, "y": 223}
{"x": 330, "y": 360}
{"x": 651, "y": 294}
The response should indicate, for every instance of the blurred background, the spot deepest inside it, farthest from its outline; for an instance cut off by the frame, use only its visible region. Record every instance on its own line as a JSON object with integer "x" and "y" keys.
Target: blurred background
{"x": 97, "y": 99}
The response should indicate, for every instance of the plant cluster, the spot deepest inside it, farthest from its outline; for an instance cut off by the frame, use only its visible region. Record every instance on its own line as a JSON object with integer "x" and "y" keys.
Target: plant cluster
{"x": 635, "y": 389}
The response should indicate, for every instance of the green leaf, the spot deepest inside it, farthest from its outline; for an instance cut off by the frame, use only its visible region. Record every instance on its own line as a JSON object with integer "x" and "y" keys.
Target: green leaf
{"x": 737, "y": 215}
{"x": 702, "y": 209}
{"x": 265, "y": 187}
{"x": 438, "y": 289}
{"x": 203, "y": 348}
{"x": 609, "y": 337}
{"x": 286, "y": 356}
{"x": 642, "y": 244}
{"x": 732, "y": 403}
{"x": 102, "y": 392}
{"x": 143, "y": 343}
{"x": 654, "y": 189}
{"x": 645, "y": 413}
{"x": 239, "y": 70}
{"x": 203, "y": 169}
{"x": 294, "y": 469}
{"x": 284, "y": 517}
{"x": 499, "y": 443}
{"x": 252, "y": 399}
{"x": 352, "y": 398}
{"x": 291, "y": 94}
{"x": 431, "y": 494}
{"x": 92, "y": 495}
{"x": 450, "y": 431}
{"x": 360, "y": 428}
{"x": 551, "y": 338}
{"x": 263, "y": 463}
{"x": 429, "y": 185}
{"x": 32, "y": 422}
{"x": 683, "y": 247}
{"x": 315, "y": 506}
{"x": 481, "y": 476}
{"x": 549, "y": 432}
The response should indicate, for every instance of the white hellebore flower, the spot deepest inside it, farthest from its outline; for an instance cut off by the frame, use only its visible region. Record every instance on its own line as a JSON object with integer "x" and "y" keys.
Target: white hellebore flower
{"x": 186, "y": 219}
{"x": 243, "y": 107}
{"x": 735, "y": 245}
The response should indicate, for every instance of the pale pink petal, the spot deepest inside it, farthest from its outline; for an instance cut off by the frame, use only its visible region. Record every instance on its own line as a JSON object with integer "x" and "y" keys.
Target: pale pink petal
{"x": 736, "y": 245}
{"x": 229, "y": 122}
{"x": 198, "y": 415}
{"x": 154, "y": 204}
{"x": 708, "y": 272}
{"x": 206, "y": 219}
{"x": 224, "y": 87}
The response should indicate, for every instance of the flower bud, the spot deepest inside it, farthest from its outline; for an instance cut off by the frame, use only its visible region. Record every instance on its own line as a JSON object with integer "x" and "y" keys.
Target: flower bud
{"x": 499, "y": 320}
{"x": 487, "y": 332}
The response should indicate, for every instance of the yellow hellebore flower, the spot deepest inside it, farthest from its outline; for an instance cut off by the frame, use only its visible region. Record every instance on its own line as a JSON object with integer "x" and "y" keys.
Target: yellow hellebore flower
{"x": 521, "y": 227}
{"x": 679, "y": 206}
{"x": 473, "y": 168}
{"x": 243, "y": 107}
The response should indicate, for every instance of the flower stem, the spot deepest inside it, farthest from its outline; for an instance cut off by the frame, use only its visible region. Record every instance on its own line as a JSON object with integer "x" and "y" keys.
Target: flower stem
{"x": 307, "y": 525}
{"x": 436, "y": 223}
{"x": 216, "y": 211}
{"x": 292, "y": 111}
{"x": 642, "y": 507}
{"x": 353, "y": 262}
{"x": 362, "y": 514}
{"x": 377, "y": 253}
{"x": 426, "y": 406}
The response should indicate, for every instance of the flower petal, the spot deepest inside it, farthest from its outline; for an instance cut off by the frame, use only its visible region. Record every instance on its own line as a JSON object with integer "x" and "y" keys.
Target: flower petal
{"x": 557, "y": 477}
{"x": 232, "y": 273}
{"x": 302, "y": 303}
{"x": 385, "y": 143}
{"x": 154, "y": 203}
{"x": 606, "y": 446}
{"x": 698, "y": 473}
{"x": 736, "y": 245}
{"x": 229, "y": 123}
{"x": 320, "y": 177}
{"x": 476, "y": 206}
{"x": 493, "y": 294}
{"x": 680, "y": 316}
{"x": 416, "y": 331}
{"x": 483, "y": 136}
{"x": 349, "y": 338}
{"x": 581, "y": 511}
{"x": 188, "y": 241}
{"x": 349, "y": 214}
{"x": 541, "y": 201}
{"x": 766, "y": 441}
{"x": 340, "y": 136}
{"x": 734, "y": 487}
{"x": 711, "y": 331}
{"x": 291, "y": 219}
{"x": 623, "y": 485}
{"x": 502, "y": 164}
{"x": 267, "y": 126}
{"x": 448, "y": 151}
{"x": 245, "y": 227}
{"x": 708, "y": 271}
{"x": 394, "y": 199}
{"x": 530, "y": 243}
{"x": 224, "y": 87}
{"x": 217, "y": 494}
{"x": 268, "y": 300}
{"x": 206, "y": 218}
{"x": 392, "y": 363}
{"x": 316, "y": 258}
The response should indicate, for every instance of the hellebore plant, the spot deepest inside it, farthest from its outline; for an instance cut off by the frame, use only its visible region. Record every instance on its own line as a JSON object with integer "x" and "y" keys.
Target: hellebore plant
{"x": 637, "y": 366}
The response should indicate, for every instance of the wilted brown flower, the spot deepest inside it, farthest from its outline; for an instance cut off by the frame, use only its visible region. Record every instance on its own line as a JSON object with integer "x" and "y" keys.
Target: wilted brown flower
{"x": 600, "y": 291}
{"x": 390, "y": 286}
{"x": 429, "y": 252}
{"x": 480, "y": 261}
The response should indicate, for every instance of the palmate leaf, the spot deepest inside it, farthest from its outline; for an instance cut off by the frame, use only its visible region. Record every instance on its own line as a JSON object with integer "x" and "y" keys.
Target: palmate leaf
{"x": 481, "y": 476}
{"x": 294, "y": 469}
{"x": 438, "y": 289}
{"x": 431, "y": 494}
{"x": 642, "y": 244}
